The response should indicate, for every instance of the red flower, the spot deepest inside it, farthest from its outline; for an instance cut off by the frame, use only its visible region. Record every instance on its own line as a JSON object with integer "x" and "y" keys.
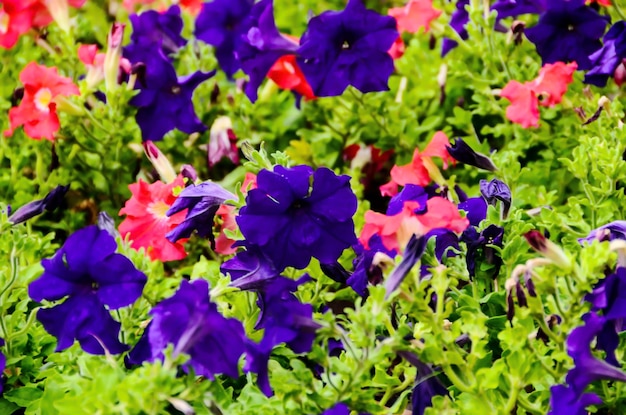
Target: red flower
{"x": 415, "y": 15}
{"x": 146, "y": 222}
{"x": 410, "y": 18}
{"x": 37, "y": 111}
{"x": 601, "y": 2}
{"x": 421, "y": 168}
{"x": 287, "y": 75}
{"x": 546, "y": 90}
{"x": 395, "y": 231}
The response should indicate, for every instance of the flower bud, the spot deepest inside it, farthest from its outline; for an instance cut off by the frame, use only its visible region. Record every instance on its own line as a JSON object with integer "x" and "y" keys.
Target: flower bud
{"x": 106, "y": 223}
{"x": 222, "y": 141}
{"x": 113, "y": 56}
{"x": 620, "y": 74}
{"x": 189, "y": 173}
{"x": 60, "y": 12}
{"x": 548, "y": 249}
{"x": 462, "y": 152}
{"x": 160, "y": 162}
{"x": 496, "y": 190}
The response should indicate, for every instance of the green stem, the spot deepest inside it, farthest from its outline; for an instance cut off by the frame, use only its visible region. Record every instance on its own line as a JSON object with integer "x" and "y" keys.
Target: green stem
{"x": 542, "y": 323}
{"x": 27, "y": 326}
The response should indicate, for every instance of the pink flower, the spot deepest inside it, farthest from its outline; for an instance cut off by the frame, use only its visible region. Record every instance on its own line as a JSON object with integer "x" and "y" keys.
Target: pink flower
{"x": 37, "y": 111}
{"x": 146, "y": 223}
{"x": 415, "y": 15}
{"x": 222, "y": 142}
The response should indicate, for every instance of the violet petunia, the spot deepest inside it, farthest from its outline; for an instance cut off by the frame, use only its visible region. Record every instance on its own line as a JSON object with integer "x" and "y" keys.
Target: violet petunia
{"x": 475, "y": 209}
{"x": 368, "y": 267}
{"x": 202, "y": 202}
{"x": 514, "y": 8}
{"x": 261, "y": 45}
{"x": 608, "y": 232}
{"x": 427, "y": 386}
{"x": 588, "y": 368}
{"x": 412, "y": 253}
{"x": 568, "y": 31}
{"x": 348, "y": 47}
{"x": 605, "y": 61}
{"x": 295, "y": 214}
{"x": 495, "y": 190}
{"x": 165, "y": 102}
{"x": 564, "y": 401}
{"x": 3, "y": 364}
{"x": 609, "y": 295}
{"x": 50, "y": 202}
{"x": 87, "y": 270}
{"x": 462, "y": 152}
{"x": 153, "y": 28}
{"x": 284, "y": 319}
{"x": 220, "y": 24}
{"x": 480, "y": 246}
{"x": 190, "y": 322}
{"x": 250, "y": 269}
{"x": 458, "y": 21}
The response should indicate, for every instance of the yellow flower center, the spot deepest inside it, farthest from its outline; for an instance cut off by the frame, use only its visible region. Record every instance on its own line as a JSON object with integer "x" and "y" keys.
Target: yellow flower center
{"x": 4, "y": 22}
{"x": 43, "y": 98}
{"x": 158, "y": 209}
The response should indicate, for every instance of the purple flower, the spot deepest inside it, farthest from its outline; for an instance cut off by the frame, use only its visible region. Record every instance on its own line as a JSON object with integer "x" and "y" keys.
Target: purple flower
{"x": 564, "y": 401}
{"x": 462, "y": 152}
{"x": 609, "y": 295}
{"x": 220, "y": 23}
{"x": 87, "y": 270}
{"x": 458, "y": 21}
{"x": 292, "y": 220}
{"x": 250, "y": 269}
{"x": 605, "y": 61}
{"x": 284, "y": 319}
{"x": 3, "y": 364}
{"x": 165, "y": 102}
{"x": 608, "y": 232}
{"x": 410, "y": 192}
{"x": 50, "y": 202}
{"x": 476, "y": 209}
{"x": 479, "y": 246}
{"x": 347, "y": 48}
{"x": 588, "y": 368}
{"x": 412, "y": 253}
{"x": 339, "y": 409}
{"x": 496, "y": 190}
{"x": 568, "y": 31}
{"x": 366, "y": 267}
{"x": 202, "y": 202}
{"x": 153, "y": 28}
{"x": 261, "y": 45}
{"x": 190, "y": 322}
{"x": 512, "y": 8}
{"x": 427, "y": 386}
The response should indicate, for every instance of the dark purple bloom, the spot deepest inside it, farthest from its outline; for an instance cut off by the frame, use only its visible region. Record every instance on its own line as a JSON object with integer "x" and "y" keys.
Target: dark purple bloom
{"x": 250, "y": 269}
{"x": 190, "y": 322}
{"x": 87, "y": 270}
{"x": 568, "y": 31}
{"x": 152, "y": 28}
{"x": 412, "y": 253}
{"x": 460, "y": 151}
{"x": 479, "y": 247}
{"x": 292, "y": 220}
{"x": 458, "y": 21}
{"x": 284, "y": 319}
{"x": 564, "y": 401}
{"x": 165, "y": 101}
{"x": 427, "y": 386}
{"x": 605, "y": 61}
{"x": 410, "y": 192}
{"x": 445, "y": 239}
{"x": 608, "y": 232}
{"x": 366, "y": 268}
{"x": 476, "y": 209}
{"x": 339, "y": 409}
{"x": 513, "y": 8}
{"x": 588, "y": 368}
{"x": 261, "y": 45}
{"x": 349, "y": 47}
{"x": 50, "y": 202}
{"x": 220, "y": 23}
{"x": 202, "y": 202}
{"x": 3, "y": 364}
{"x": 609, "y": 295}
{"x": 496, "y": 190}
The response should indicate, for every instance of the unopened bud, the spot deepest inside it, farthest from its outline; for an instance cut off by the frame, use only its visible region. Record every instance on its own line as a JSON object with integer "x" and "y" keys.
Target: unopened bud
{"x": 59, "y": 10}
{"x": 189, "y": 172}
{"x": 160, "y": 162}
{"x": 548, "y": 249}
{"x": 620, "y": 74}
{"x": 113, "y": 56}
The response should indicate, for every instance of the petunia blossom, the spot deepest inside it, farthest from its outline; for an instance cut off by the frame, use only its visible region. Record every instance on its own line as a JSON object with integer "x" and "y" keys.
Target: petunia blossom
{"x": 348, "y": 47}
{"x": 416, "y": 14}
{"x": 94, "y": 279}
{"x": 147, "y": 224}
{"x": 605, "y": 61}
{"x": 296, "y": 213}
{"x": 461, "y": 151}
{"x": 190, "y": 322}
{"x": 458, "y": 21}
{"x": 287, "y": 75}
{"x": 37, "y": 112}
{"x": 564, "y": 401}
{"x": 568, "y": 31}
